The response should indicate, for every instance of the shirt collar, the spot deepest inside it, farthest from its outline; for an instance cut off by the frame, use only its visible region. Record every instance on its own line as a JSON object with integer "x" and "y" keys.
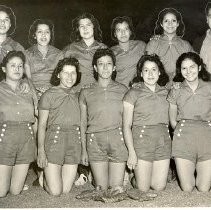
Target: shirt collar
{"x": 165, "y": 37}
{"x": 185, "y": 85}
{"x": 83, "y": 44}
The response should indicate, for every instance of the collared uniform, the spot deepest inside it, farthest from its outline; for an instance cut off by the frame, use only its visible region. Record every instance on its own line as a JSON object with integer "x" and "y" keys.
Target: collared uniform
{"x": 84, "y": 54}
{"x": 104, "y": 122}
{"x": 126, "y": 61}
{"x": 150, "y": 122}
{"x": 192, "y": 134}
{"x": 62, "y": 142}
{"x": 42, "y": 67}
{"x": 168, "y": 51}
{"x": 17, "y": 145}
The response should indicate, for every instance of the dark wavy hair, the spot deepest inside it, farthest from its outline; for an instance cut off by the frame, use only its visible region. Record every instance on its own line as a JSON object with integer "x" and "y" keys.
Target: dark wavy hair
{"x": 12, "y": 17}
{"x": 33, "y": 29}
{"x": 207, "y": 8}
{"x": 117, "y": 20}
{"x": 100, "y": 53}
{"x": 203, "y": 74}
{"x": 163, "y": 77}
{"x": 158, "y": 28}
{"x": 7, "y": 58}
{"x": 75, "y": 35}
{"x": 55, "y": 81}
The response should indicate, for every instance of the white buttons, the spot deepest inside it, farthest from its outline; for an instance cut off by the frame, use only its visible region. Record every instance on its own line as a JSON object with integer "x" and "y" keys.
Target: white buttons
{"x": 31, "y": 132}
{"x": 90, "y": 140}
{"x": 55, "y": 141}
{"x": 2, "y": 134}
{"x": 2, "y": 129}
{"x": 141, "y": 135}
{"x": 57, "y": 131}
{"x": 17, "y": 103}
{"x": 79, "y": 132}
{"x": 182, "y": 124}
{"x": 77, "y": 128}
{"x": 0, "y": 140}
{"x": 122, "y": 139}
{"x": 144, "y": 126}
{"x": 4, "y": 125}
{"x": 183, "y": 120}
{"x": 120, "y": 132}
{"x": 142, "y": 131}
{"x": 30, "y": 128}
{"x": 178, "y": 134}
{"x": 180, "y": 129}
{"x": 18, "y": 112}
{"x": 58, "y": 128}
{"x": 56, "y": 137}
{"x": 92, "y": 135}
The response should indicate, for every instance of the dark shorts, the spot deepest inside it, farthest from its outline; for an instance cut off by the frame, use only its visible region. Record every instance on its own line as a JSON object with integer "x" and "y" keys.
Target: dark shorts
{"x": 107, "y": 146}
{"x": 192, "y": 140}
{"x": 152, "y": 142}
{"x": 63, "y": 145}
{"x": 17, "y": 143}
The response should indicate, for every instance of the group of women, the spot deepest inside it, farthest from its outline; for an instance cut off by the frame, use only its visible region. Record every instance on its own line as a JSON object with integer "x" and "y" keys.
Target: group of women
{"x": 85, "y": 116}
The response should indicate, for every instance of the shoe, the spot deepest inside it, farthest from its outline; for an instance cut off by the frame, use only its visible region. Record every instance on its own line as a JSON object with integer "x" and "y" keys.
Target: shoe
{"x": 25, "y": 187}
{"x": 81, "y": 180}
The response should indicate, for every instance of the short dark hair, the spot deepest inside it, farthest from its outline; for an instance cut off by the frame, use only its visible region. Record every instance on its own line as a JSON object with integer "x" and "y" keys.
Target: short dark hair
{"x": 100, "y": 53}
{"x": 75, "y": 35}
{"x": 207, "y": 8}
{"x": 163, "y": 78}
{"x": 33, "y": 29}
{"x": 122, "y": 19}
{"x": 158, "y": 28}
{"x": 55, "y": 81}
{"x": 12, "y": 17}
{"x": 203, "y": 74}
{"x": 9, "y": 56}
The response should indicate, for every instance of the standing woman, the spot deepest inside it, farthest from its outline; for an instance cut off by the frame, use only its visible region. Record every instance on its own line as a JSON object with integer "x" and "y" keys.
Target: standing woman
{"x": 170, "y": 45}
{"x": 128, "y": 51}
{"x": 42, "y": 56}
{"x": 87, "y": 38}
{"x": 101, "y": 106}
{"x": 190, "y": 116}
{"x": 146, "y": 112}
{"x": 59, "y": 145}
{"x": 7, "y": 28}
{"x": 17, "y": 114}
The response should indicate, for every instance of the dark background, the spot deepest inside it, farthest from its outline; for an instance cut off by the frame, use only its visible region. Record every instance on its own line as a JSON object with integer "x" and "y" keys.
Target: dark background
{"x": 143, "y": 13}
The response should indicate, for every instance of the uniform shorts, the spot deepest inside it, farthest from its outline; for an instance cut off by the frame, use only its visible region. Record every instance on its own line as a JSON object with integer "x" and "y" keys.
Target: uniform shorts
{"x": 152, "y": 142}
{"x": 17, "y": 143}
{"x": 63, "y": 145}
{"x": 192, "y": 140}
{"x": 107, "y": 146}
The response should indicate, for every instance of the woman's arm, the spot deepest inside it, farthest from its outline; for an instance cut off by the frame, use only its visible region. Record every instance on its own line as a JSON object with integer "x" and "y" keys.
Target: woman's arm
{"x": 127, "y": 123}
{"x": 42, "y": 124}
{"x": 83, "y": 127}
{"x": 173, "y": 115}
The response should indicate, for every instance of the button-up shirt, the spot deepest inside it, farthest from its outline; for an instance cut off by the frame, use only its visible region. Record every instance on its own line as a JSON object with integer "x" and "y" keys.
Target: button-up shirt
{"x": 192, "y": 105}
{"x": 104, "y": 106}
{"x": 126, "y": 61}
{"x": 150, "y": 108}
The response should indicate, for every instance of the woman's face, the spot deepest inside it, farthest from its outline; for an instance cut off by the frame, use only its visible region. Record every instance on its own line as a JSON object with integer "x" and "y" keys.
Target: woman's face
{"x": 43, "y": 34}
{"x": 5, "y": 23}
{"x": 150, "y": 73}
{"x": 68, "y": 76}
{"x": 209, "y": 18}
{"x": 169, "y": 24}
{"x": 14, "y": 69}
{"x": 190, "y": 70}
{"x": 105, "y": 67}
{"x": 122, "y": 32}
{"x": 86, "y": 28}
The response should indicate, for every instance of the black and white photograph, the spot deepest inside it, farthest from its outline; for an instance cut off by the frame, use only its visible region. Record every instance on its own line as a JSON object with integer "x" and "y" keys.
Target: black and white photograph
{"x": 105, "y": 103}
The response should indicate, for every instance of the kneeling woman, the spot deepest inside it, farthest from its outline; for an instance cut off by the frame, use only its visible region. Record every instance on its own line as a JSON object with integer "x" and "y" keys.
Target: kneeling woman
{"x": 190, "y": 115}
{"x": 146, "y": 112}
{"x": 59, "y": 148}
{"x": 17, "y": 114}
{"x": 101, "y": 123}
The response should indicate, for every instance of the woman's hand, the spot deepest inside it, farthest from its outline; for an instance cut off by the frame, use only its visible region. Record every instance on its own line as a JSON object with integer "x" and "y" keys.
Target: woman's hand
{"x": 24, "y": 87}
{"x": 42, "y": 161}
{"x": 132, "y": 160}
{"x": 84, "y": 158}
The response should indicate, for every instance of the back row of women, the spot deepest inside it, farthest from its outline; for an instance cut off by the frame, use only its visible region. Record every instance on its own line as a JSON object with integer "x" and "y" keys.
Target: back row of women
{"x": 110, "y": 125}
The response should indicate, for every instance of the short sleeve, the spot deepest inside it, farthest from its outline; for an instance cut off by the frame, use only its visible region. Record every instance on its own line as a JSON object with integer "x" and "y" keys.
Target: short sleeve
{"x": 45, "y": 101}
{"x": 130, "y": 97}
{"x": 173, "y": 95}
{"x": 82, "y": 98}
{"x": 151, "y": 46}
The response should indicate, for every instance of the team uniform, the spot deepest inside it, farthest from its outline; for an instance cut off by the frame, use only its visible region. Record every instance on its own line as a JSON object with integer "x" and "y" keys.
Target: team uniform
{"x": 191, "y": 139}
{"x": 105, "y": 140}
{"x": 126, "y": 61}
{"x": 150, "y": 122}
{"x": 17, "y": 143}
{"x": 84, "y": 54}
{"x": 62, "y": 141}
{"x": 168, "y": 51}
{"x": 42, "y": 67}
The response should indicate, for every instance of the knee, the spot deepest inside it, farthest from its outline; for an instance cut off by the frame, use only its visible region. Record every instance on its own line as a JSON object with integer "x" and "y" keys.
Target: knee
{"x": 187, "y": 188}
{"x": 203, "y": 188}
{"x": 3, "y": 193}
{"x": 158, "y": 186}
{"x": 15, "y": 191}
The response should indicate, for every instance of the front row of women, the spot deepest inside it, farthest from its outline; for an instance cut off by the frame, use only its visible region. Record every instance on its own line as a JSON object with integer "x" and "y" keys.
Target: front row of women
{"x": 91, "y": 130}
